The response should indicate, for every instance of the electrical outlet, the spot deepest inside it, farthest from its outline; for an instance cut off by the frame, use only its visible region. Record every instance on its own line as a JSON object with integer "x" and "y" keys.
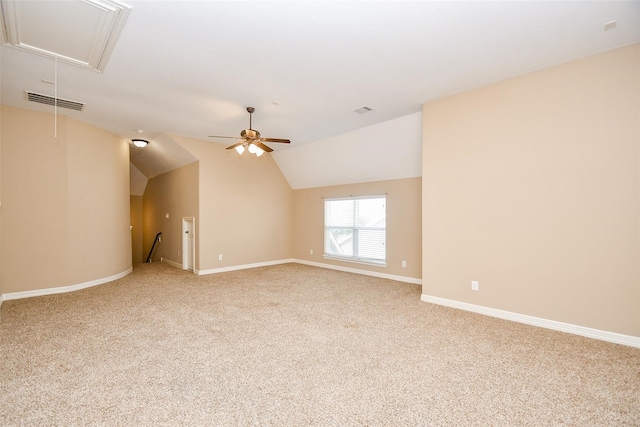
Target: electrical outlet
{"x": 178, "y": 252}
{"x": 220, "y": 257}
{"x": 475, "y": 286}
{"x": 404, "y": 263}
{"x": 310, "y": 251}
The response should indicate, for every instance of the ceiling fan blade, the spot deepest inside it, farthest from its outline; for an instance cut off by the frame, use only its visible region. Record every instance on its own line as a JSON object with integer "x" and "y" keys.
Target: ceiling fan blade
{"x": 286, "y": 141}
{"x": 251, "y": 136}
{"x": 261, "y": 145}
{"x": 237, "y": 144}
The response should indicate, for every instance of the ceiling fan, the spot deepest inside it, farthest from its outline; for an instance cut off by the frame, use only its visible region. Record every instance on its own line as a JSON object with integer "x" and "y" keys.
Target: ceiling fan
{"x": 251, "y": 139}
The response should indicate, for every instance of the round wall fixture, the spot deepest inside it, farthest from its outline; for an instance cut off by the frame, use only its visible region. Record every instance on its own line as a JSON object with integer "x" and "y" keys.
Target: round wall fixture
{"x": 140, "y": 142}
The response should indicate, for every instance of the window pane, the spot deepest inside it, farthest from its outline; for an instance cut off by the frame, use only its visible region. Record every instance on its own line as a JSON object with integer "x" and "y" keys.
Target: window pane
{"x": 339, "y": 213}
{"x": 371, "y": 212}
{"x": 339, "y": 241}
{"x": 371, "y": 244}
{"x": 355, "y": 228}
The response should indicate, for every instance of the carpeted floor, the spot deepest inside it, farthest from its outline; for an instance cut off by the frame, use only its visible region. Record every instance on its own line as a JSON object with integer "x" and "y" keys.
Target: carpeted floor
{"x": 293, "y": 345}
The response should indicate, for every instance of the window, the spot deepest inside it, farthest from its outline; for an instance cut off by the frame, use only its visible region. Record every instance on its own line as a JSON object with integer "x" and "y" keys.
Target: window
{"x": 355, "y": 228}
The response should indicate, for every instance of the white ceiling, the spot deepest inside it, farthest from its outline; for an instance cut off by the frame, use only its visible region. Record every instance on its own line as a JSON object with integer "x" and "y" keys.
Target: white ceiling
{"x": 192, "y": 67}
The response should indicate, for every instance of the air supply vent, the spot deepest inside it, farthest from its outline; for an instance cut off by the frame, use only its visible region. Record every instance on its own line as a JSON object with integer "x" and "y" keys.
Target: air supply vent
{"x": 363, "y": 110}
{"x": 50, "y": 100}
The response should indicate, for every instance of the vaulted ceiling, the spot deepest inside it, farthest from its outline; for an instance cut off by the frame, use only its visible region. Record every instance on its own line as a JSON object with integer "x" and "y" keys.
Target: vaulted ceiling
{"x": 192, "y": 67}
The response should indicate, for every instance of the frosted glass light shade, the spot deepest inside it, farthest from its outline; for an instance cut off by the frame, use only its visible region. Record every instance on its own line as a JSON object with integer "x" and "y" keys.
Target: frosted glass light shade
{"x": 140, "y": 142}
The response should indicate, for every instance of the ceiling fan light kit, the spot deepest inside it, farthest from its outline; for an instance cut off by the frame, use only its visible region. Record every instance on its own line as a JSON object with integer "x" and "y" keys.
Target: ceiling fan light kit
{"x": 251, "y": 140}
{"x": 254, "y": 149}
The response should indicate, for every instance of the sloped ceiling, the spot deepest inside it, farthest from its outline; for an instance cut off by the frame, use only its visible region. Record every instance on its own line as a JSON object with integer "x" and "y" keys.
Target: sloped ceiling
{"x": 192, "y": 67}
{"x": 388, "y": 150}
{"x": 164, "y": 155}
{"x": 137, "y": 181}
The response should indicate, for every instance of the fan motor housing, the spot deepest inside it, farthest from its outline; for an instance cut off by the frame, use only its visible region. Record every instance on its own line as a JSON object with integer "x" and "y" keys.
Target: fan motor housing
{"x": 250, "y": 134}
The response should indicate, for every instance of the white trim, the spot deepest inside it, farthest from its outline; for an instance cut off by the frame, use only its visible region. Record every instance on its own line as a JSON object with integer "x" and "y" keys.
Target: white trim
{"x": 185, "y": 242}
{"x": 613, "y": 337}
{"x": 359, "y": 271}
{"x": 243, "y": 267}
{"x": 64, "y": 289}
{"x": 355, "y": 260}
{"x": 171, "y": 263}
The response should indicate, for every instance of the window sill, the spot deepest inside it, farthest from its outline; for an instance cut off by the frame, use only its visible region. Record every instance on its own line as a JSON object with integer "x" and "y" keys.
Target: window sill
{"x": 356, "y": 261}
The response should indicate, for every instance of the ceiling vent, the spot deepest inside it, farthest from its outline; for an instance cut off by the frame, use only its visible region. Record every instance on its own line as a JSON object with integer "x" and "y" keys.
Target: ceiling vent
{"x": 82, "y": 33}
{"x": 363, "y": 110}
{"x": 50, "y": 100}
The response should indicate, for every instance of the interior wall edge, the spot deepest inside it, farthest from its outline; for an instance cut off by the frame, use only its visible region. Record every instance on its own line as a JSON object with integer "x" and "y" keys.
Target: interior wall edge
{"x": 613, "y": 337}
{"x": 64, "y": 289}
{"x": 243, "y": 266}
{"x": 397, "y": 278}
{"x": 172, "y": 263}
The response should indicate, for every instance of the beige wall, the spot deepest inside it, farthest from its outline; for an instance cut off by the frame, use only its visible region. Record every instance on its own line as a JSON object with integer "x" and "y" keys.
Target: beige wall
{"x": 1, "y": 291}
{"x": 246, "y": 207}
{"x": 99, "y": 239}
{"x": 531, "y": 186}
{"x": 174, "y": 193}
{"x": 34, "y": 201}
{"x": 65, "y": 202}
{"x": 403, "y": 224}
{"x": 136, "y": 203}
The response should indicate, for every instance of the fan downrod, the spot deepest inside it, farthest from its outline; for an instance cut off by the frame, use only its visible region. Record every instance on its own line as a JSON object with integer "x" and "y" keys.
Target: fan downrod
{"x": 250, "y": 137}
{"x": 250, "y": 110}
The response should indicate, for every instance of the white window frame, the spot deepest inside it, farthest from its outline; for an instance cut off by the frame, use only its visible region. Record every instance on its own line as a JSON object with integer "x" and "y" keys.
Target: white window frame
{"x": 355, "y": 229}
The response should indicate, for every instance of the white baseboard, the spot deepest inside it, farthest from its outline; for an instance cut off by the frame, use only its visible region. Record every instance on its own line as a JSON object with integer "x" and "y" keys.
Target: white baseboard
{"x": 64, "y": 289}
{"x": 613, "y": 337}
{"x": 243, "y": 266}
{"x": 171, "y": 263}
{"x": 301, "y": 261}
{"x": 359, "y": 271}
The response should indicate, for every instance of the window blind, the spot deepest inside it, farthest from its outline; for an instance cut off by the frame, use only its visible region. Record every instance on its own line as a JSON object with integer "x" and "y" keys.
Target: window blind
{"x": 355, "y": 228}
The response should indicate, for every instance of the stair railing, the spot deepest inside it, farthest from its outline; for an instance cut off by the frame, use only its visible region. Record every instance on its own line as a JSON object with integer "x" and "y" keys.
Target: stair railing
{"x": 156, "y": 240}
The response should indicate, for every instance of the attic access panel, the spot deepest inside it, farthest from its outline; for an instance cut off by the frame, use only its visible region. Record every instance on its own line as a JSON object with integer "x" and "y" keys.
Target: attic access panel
{"x": 81, "y": 32}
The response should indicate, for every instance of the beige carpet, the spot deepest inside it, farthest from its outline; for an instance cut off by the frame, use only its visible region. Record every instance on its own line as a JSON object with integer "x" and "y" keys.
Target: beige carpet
{"x": 294, "y": 345}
